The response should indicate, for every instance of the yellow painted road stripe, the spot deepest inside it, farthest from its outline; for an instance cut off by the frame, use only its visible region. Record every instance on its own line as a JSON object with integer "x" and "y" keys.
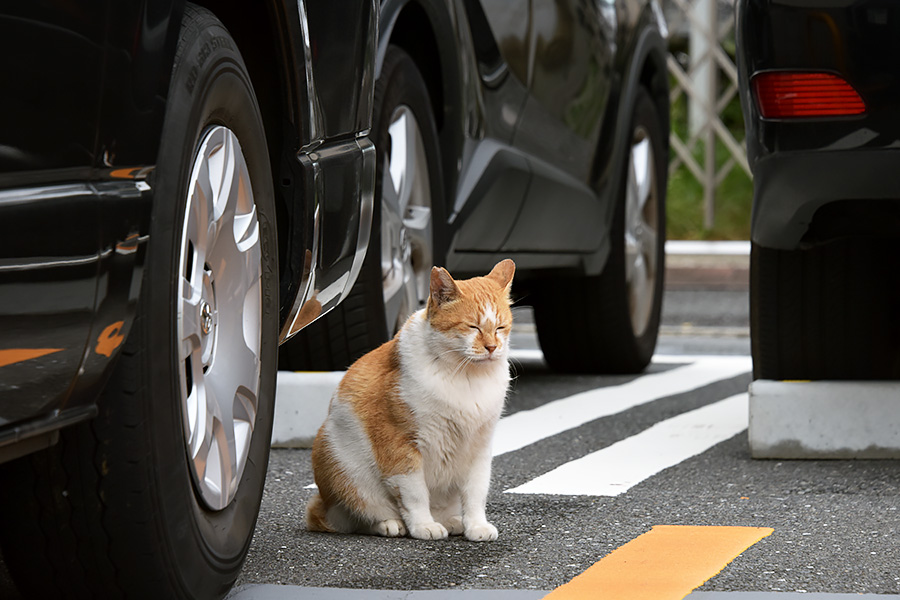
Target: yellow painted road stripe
{"x": 14, "y": 355}
{"x": 666, "y": 563}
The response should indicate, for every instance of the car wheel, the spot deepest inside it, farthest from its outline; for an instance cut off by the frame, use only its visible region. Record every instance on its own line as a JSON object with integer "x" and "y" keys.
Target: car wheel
{"x": 158, "y": 496}
{"x": 826, "y": 311}
{"x": 609, "y": 323}
{"x": 394, "y": 279}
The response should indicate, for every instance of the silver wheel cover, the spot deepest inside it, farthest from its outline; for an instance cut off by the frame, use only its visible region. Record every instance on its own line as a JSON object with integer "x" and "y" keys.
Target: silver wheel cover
{"x": 641, "y": 231}
{"x": 406, "y": 223}
{"x": 219, "y": 317}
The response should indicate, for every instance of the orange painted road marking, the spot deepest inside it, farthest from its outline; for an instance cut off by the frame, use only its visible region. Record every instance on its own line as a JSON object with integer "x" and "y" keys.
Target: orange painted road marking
{"x": 14, "y": 355}
{"x": 666, "y": 563}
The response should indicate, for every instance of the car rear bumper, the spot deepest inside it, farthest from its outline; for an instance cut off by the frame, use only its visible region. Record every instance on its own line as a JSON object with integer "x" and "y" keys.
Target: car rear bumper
{"x": 789, "y": 188}
{"x": 800, "y": 165}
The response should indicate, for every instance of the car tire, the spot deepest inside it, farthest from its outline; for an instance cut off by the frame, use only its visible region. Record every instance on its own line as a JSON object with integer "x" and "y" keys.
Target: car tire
{"x": 394, "y": 279}
{"x": 609, "y": 323}
{"x": 826, "y": 311}
{"x": 119, "y": 507}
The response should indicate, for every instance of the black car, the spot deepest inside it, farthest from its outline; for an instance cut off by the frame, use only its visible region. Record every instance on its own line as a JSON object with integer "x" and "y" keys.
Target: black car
{"x": 181, "y": 188}
{"x": 536, "y": 131}
{"x": 820, "y": 91}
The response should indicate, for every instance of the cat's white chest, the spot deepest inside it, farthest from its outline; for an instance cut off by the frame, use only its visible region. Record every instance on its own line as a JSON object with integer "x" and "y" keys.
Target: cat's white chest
{"x": 468, "y": 401}
{"x": 455, "y": 406}
{"x": 455, "y": 421}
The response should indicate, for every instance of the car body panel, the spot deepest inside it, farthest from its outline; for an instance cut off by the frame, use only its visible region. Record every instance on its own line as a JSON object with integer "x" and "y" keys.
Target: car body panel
{"x": 57, "y": 274}
{"x": 74, "y": 203}
{"x": 58, "y": 54}
{"x": 571, "y": 53}
{"x": 531, "y": 122}
{"x": 88, "y": 87}
{"x": 335, "y": 49}
{"x": 493, "y": 175}
{"x": 335, "y": 167}
{"x": 800, "y": 165}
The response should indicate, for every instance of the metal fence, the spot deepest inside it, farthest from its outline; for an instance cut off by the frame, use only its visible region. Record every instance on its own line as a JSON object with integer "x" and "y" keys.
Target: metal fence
{"x": 707, "y": 76}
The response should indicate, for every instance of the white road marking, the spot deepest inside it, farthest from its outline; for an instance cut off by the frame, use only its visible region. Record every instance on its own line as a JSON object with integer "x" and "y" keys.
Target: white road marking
{"x": 525, "y": 355}
{"x": 527, "y": 427}
{"x": 617, "y": 468}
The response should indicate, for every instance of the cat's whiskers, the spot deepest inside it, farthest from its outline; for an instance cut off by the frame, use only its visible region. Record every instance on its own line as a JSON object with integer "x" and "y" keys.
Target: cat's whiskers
{"x": 465, "y": 361}
{"x": 513, "y": 363}
{"x": 440, "y": 357}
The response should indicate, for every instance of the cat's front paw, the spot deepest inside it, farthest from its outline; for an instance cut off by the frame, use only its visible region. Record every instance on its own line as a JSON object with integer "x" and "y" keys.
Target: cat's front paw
{"x": 481, "y": 532}
{"x": 428, "y": 531}
{"x": 390, "y": 528}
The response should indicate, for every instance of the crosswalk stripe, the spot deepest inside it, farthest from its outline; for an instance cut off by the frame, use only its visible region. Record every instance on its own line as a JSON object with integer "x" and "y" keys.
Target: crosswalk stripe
{"x": 665, "y": 563}
{"x": 527, "y": 427}
{"x": 619, "y": 467}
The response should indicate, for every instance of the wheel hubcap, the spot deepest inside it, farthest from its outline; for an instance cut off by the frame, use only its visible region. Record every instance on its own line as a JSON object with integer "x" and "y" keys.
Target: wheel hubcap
{"x": 206, "y": 321}
{"x": 641, "y": 231}
{"x": 406, "y": 224}
{"x": 219, "y": 317}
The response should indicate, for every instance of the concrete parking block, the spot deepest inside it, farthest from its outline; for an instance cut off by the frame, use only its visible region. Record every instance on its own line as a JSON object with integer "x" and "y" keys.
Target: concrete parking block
{"x": 301, "y": 406}
{"x": 825, "y": 419}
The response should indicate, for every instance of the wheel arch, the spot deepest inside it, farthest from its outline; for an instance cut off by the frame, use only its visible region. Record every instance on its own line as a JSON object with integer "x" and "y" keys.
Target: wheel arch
{"x": 280, "y": 95}
{"x": 643, "y": 65}
{"x": 425, "y": 30}
{"x": 277, "y": 97}
{"x": 646, "y": 67}
{"x": 654, "y": 77}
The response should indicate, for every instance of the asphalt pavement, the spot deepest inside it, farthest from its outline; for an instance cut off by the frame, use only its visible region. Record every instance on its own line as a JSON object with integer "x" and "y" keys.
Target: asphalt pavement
{"x": 706, "y": 307}
{"x": 835, "y": 522}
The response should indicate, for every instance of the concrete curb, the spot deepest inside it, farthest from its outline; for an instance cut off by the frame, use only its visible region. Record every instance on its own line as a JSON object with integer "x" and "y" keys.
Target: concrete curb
{"x": 698, "y": 265}
{"x": 301, "y": 406}
{"x": 291, "y": 592}
{"x": 824, "y": 419}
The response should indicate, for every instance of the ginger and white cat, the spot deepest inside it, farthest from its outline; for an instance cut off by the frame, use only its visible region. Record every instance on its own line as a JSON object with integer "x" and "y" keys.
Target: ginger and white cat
{"x": 406, "y": 446}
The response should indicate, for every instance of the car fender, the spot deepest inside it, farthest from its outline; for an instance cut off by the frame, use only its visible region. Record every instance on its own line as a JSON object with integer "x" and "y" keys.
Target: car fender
{"x": 649, "y": 45}
{"x": 448, "y": 108}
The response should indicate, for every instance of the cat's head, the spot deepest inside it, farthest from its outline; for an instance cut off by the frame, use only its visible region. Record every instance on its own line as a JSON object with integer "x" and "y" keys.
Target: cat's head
{"x": 473, "y": 316}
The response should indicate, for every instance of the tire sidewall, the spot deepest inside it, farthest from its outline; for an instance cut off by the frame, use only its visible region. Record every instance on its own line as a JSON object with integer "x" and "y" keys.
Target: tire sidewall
{"x": 401, "y": 84}
{"x": 210, "y": 86}
{"x": 644, "y": 116}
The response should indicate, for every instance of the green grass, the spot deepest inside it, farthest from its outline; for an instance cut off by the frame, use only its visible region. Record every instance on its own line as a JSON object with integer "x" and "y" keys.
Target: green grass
{"x": 733, "y": 198}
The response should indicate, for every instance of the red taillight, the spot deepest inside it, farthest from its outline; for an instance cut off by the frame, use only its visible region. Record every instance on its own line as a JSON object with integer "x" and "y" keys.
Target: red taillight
{"x": 784, "y": 95}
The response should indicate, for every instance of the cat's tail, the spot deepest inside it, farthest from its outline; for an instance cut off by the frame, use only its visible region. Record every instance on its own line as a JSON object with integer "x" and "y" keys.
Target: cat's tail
{"x": 316, "y": 515}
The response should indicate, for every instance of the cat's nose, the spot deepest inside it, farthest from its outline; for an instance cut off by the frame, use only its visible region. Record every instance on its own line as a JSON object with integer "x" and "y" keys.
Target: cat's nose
{"x": 490, "y": 348}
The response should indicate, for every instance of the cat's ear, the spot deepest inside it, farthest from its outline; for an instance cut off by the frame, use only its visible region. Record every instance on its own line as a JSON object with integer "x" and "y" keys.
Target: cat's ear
{"x": 443, "y": 288}
{"x": 503, "y": 273}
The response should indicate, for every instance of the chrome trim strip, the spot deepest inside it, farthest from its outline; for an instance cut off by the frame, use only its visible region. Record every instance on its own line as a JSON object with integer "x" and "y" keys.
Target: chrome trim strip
{"x": 310, "y": 163}
{"x": 367, "y": 202}
{"x": 311, "y": 302}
